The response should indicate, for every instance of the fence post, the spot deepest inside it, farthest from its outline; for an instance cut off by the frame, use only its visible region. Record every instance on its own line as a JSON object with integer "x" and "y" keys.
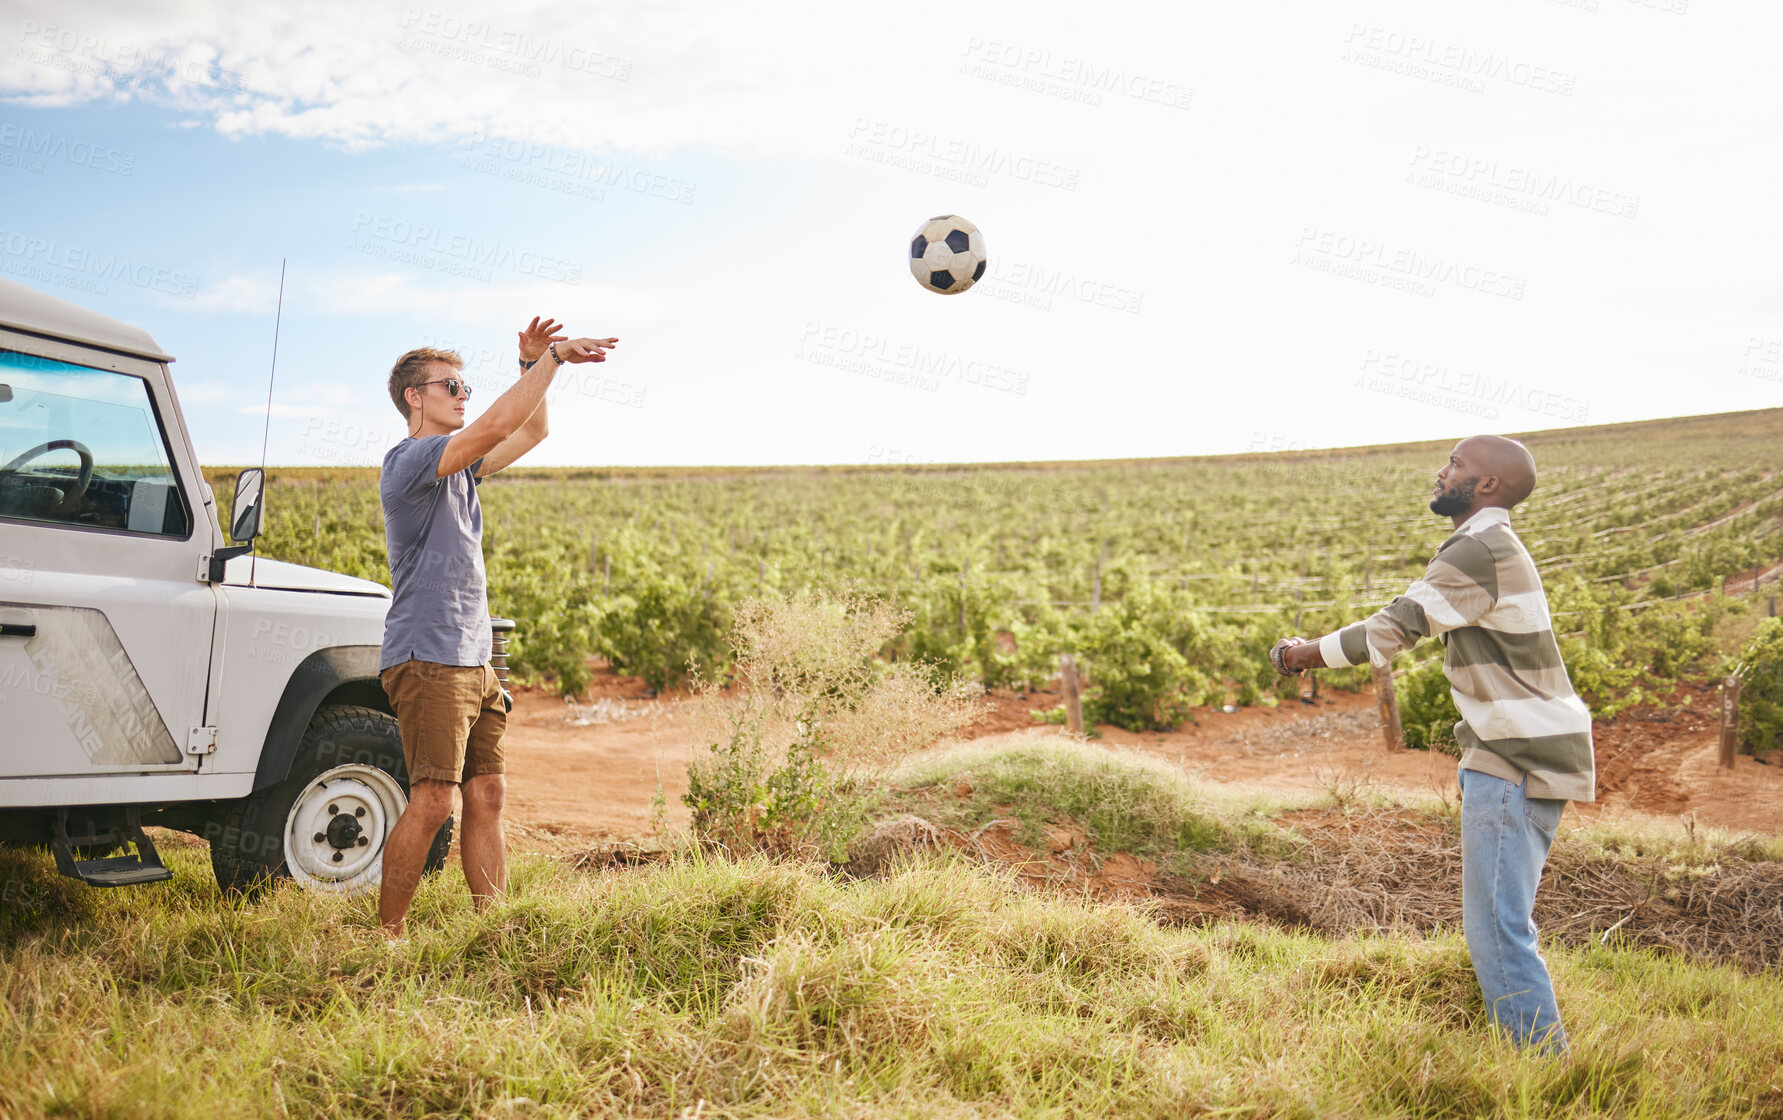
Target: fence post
{"x": 1073, "y": 697}
{"x": 1730, "y": 720}
{"x": 1383, "y": 689}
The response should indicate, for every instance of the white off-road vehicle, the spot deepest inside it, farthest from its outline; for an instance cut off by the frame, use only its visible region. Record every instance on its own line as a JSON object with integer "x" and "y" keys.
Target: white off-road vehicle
{"x": 150, "y": 674}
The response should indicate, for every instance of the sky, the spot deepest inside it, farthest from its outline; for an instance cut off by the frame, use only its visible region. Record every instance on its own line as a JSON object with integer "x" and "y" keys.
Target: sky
{"x": 1212, "y": 228}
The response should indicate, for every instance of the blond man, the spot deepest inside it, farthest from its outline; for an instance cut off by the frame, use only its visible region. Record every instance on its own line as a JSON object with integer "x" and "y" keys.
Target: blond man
{"x": 435, "y": 658}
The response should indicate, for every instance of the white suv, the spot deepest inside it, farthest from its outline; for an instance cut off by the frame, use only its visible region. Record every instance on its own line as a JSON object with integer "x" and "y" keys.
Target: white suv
{"x": 150, "y": 674}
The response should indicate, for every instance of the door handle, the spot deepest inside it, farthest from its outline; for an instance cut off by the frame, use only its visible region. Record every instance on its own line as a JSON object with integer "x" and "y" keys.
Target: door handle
{"x": 18, "y": 629}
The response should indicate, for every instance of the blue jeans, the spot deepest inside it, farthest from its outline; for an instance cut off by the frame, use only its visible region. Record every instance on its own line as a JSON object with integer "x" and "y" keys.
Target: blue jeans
{"x": 1505, "y": 837}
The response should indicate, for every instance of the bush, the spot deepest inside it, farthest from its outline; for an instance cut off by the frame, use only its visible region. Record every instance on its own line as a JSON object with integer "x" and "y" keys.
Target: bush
{"x": 1138, "y": 679}
{"x": 1427, "y": 712}
{"x": 1603, "y": 682}
{"x": 794, "y": 749}
{"x": 747, "y": 796}
{"x": 666, "y": 630}
{"x": 554, "y": 615}
{"x": 1673, "y": 639}
{"x": 1760, "y": 670}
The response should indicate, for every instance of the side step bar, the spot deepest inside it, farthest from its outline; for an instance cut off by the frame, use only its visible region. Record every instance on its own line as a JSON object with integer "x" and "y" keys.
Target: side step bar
{"x": 109, "y": 871}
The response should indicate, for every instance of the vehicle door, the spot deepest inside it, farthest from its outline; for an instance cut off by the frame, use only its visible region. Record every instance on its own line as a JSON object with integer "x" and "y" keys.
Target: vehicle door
{"x": 105, "y": 625}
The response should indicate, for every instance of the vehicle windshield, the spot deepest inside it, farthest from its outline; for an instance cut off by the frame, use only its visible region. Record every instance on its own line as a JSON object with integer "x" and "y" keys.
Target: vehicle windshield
{"x": 81, "y": 446}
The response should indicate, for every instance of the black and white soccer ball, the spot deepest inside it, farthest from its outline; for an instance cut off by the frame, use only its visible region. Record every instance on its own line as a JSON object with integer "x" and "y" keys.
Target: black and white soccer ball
{"x": 947, "y": 254}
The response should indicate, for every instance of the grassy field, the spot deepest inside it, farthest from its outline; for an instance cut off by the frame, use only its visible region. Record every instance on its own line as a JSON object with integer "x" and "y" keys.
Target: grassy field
{"x": 947, "y": 982}
{"x": 708, "y": 987}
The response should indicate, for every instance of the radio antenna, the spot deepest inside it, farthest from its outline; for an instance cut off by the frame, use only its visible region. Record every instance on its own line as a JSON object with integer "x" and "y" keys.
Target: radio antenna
{"x": 266, "y": 432}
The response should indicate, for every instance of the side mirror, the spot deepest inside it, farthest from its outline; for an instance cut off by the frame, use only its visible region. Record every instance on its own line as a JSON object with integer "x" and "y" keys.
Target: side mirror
{"x": 249, "y": 509}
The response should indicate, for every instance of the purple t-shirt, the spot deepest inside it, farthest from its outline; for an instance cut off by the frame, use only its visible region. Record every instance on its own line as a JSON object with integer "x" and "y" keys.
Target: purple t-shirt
{"x": 433, "y": 527}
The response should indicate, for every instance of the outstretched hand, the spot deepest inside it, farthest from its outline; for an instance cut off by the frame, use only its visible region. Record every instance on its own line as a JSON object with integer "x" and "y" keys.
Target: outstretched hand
{"x": 582, "y": 350}
{"x": 1278, "y": 656}
{"x": 537, "y": 336}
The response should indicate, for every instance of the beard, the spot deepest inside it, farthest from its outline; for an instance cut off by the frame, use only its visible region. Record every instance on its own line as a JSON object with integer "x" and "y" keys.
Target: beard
{"x": 1453, "y": 501}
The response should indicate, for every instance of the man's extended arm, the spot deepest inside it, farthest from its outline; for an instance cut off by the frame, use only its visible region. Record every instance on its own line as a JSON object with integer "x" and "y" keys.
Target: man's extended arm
{"x": 1459, "y": 586}
{"x": 506, "y": 416}
{"x": 508, "y": 430}
{"x": 530, "y": 435}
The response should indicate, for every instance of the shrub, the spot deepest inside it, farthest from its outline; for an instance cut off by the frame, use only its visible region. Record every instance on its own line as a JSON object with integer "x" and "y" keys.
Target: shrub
{"x": 664, "y": 630}
{"x": 1760, "y": 670}
{"x": 1427, "y": 712}
{"x": 1150, "y": 657}
{"x": 795, "y": 747}
{"x": 1138, "y": 680}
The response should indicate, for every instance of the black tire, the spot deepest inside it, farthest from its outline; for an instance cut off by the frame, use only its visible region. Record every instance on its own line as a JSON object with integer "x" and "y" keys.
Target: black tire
{"x": 247, "y": 836}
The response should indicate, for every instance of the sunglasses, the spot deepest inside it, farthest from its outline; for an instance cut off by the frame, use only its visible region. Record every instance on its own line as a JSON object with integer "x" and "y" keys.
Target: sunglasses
{"x": 452, "y": 385}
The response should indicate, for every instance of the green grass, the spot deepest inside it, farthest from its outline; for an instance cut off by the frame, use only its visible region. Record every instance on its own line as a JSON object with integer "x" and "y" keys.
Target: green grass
{"x": 1665, "y": 839}
{"x": 778, "y": 990}
{"x": 1125, "y": 801}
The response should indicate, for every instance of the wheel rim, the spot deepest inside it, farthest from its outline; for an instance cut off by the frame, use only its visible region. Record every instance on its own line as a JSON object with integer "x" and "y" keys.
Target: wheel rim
{"x": 335, "y": 832}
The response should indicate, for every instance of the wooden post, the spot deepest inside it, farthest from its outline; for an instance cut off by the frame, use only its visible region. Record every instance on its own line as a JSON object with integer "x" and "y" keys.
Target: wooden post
{"x": 1383, "y": 688}
{"x": 1730, "y": 720}
{"x": 1073, "y": 697}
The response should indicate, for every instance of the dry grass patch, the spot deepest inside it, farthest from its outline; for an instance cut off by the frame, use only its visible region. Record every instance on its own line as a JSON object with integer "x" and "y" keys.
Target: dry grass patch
{"x": 778, "y": 989}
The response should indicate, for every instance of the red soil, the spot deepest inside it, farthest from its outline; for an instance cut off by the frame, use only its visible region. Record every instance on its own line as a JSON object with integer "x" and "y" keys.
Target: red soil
{"x": 583, "y": 773}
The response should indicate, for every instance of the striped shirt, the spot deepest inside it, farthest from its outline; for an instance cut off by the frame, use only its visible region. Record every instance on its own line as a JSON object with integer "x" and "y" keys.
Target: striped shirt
{"x": 1482, "y": 596}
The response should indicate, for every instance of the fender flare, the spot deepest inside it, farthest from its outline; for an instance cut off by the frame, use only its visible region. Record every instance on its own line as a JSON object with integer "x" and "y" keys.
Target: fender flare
{"x": 336, "y": 675}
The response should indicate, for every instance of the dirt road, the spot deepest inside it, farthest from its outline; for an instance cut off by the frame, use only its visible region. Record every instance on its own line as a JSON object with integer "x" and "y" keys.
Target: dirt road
{"x": 593, "y": 771}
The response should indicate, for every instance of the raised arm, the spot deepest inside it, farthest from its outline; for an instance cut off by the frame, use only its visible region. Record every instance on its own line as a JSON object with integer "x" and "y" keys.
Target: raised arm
{"x": 515, "y": 407}
{"x": 510, "y": 410}
{"x": 538, "y": 425}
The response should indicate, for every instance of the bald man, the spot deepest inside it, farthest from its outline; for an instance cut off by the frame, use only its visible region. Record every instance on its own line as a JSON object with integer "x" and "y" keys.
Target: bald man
{"x": 1525, "y": 735}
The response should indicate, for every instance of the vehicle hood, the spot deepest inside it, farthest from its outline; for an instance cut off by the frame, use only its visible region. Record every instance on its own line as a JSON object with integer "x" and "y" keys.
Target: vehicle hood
{"x": 281, "y": 576}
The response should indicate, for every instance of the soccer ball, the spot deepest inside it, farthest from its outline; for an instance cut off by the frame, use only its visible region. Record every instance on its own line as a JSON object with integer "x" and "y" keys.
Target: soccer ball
{"x": 947, "y": 254}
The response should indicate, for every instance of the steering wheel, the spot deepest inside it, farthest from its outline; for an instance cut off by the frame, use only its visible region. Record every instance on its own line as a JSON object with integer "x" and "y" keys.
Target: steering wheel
{"x": 81, "y": 480}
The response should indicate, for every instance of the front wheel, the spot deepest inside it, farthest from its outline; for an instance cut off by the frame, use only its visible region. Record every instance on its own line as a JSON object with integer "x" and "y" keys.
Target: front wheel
{"x": 325, "y": 826}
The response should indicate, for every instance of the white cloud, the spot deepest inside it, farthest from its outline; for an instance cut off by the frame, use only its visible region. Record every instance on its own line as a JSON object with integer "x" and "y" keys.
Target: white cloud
{"x": 848, "y": 123}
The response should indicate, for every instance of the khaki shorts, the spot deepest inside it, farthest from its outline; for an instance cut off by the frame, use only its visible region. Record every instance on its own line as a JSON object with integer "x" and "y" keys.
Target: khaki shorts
{"x": 452, "y": 719}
